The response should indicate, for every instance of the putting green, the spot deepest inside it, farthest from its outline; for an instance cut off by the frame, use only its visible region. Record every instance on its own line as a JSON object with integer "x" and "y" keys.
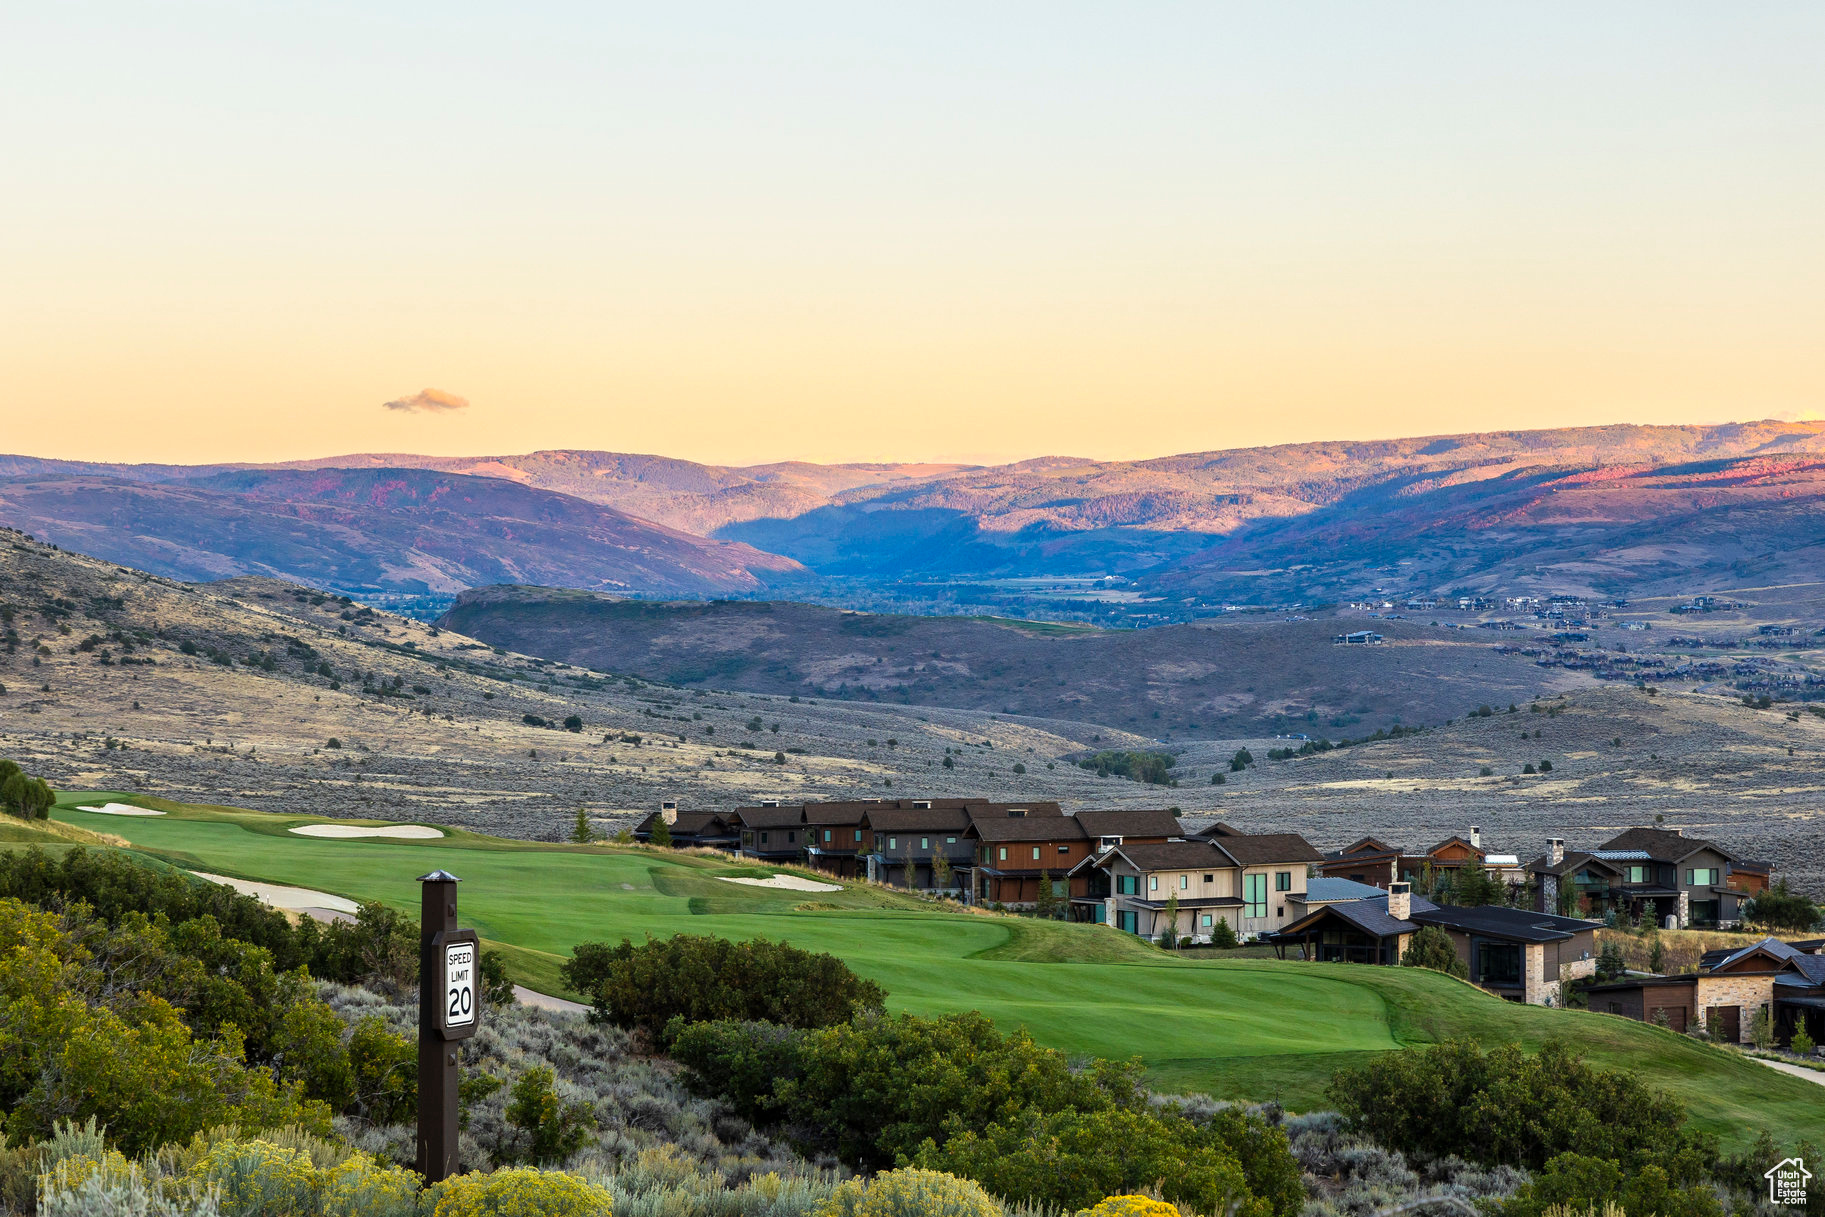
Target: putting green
{"x": 1256, "y": 1029}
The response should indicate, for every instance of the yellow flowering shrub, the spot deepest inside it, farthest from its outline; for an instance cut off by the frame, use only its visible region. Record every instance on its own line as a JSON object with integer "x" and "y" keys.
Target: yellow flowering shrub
{"x": 1131, "y": 1206}
{"x": 519, "y": 1193}
{"x": 911, "y": 1192}
{"x": 360, "y": 1187}
{"x": 259, "y": 1179}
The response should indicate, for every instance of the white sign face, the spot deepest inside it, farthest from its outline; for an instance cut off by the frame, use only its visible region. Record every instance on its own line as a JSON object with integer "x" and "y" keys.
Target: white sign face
{"x": 459, "y": 984}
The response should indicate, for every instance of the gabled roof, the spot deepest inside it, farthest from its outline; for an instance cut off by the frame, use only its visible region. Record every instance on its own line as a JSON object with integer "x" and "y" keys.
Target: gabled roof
{"x": 918, "y": 819}
{"x": 1662, "y": 844}
{"x": 1366, "y": 845}
{"x": 1771, "y": 952}
{"x": 996, "y": 822}
{"x": 1130, "y": 824}
{"x": 1265, "y": 848}
{"x": 1370, "y": 915}
{"x": 1165, "y": 855}
{"x": 1218, "y": 829}
{"x": 689, "y": 823}
{"x": 1576, "y": 860}
{"x": 1500, "y": 921}
{"x": 1455, "y": 840}
{"x": 770, "y": 817}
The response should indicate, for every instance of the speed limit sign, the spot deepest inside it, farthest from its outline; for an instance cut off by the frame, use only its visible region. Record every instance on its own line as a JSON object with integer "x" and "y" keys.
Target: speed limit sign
{"x": 459, "y": 984}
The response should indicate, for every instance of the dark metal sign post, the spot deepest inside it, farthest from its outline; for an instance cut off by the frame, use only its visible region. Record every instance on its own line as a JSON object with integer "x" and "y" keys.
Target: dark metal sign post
{"x": 449, "y": 1010}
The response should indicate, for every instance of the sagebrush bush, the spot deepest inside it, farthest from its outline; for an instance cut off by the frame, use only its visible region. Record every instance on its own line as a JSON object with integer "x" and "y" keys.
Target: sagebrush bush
{"x": 518, "y": 1193}
{"x": 1131, "y": 1206}
{"x": 911, "y": 1192}
{"x": 87, "y": 1187}
{"x": 258, "y": 1179}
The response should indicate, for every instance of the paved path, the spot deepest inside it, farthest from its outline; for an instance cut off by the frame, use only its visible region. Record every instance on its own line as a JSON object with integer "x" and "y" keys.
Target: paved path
{"x": 546, "y": 1001}
{"x": 1798, "y": 1071}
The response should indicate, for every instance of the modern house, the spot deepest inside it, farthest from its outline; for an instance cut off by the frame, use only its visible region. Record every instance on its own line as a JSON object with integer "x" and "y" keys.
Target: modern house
{"x": 1369, "y": 860}
{"x": 1088, "y": 886}
{"x": 1017, "y": 848}
{"x": 1522, "y": 955}
{"x": 770, "y": 832}
{"x": 1727, "y": 992}
{"x": 1669, "y": 875}
{"x": 902, "y": 842}
{"x": 1249, "y": 880}
{"x": 708, "y": 829}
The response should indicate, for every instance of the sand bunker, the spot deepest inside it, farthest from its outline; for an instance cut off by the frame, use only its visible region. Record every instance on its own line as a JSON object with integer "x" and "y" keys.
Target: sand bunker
{"x": 789, "y": 882}
{"x": 299, "y": 899}
{"x": 397, "y": 832}
{"x": 121, "y": 809}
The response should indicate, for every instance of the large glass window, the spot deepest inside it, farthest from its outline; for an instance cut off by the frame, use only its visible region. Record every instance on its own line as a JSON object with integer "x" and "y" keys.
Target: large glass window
{"x": 1283, "y": 881}
{"x": 1638, "y": 874}
{"x": 1700, "y": 876}
{"x": 1254, "y": 895}
{"x": 1498, "y": 963}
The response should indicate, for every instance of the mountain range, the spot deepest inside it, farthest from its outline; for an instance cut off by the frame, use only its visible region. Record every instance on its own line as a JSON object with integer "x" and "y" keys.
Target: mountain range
{"x": 1608, "y": 509}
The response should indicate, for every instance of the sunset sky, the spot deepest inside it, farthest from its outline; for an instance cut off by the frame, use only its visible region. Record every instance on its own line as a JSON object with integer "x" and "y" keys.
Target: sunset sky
{"x": 746, "y": 232}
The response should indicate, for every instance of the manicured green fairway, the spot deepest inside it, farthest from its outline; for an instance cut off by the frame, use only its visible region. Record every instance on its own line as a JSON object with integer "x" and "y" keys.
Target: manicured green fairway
{"x": 1255, "y": 1029}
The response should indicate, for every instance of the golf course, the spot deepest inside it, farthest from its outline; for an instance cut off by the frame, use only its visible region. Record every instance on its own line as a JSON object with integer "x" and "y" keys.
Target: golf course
{"x": 1243, "y": 1028}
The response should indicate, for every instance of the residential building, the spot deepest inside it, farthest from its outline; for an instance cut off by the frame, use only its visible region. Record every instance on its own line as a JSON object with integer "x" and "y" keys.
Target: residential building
{"x": 1730, "y": 988}
{"x": 1676, "y": 879}
{"x": 1518, "y": 954}
{"x": 770, "y": 832}
{"x": 903, "y": 840}
{"x": 1017, "y": 848}
{"x": 833, "y": 837}
{"x": 1321, "y": 890}
{"x": 1575, "y": 884}
{"x": 1749, "y": 878}
{"x": 1249, "y": 880}
{"x": 1369, "y": 860}
{"x": 1088, "y": 886}
{"x": 708, "y": 829}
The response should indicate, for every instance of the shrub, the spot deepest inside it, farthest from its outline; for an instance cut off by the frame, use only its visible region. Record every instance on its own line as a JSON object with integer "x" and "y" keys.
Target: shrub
{"x": 1431, "y": 948}
{"x": 1580, "y": 1183}
{"x": 1149, "y": 767}
{"x": 1801, "y": 1042}
{"x": 553, "y": 1130}
{"x": 84, "y": 1187}
{"x": 1518, "y": 1110}
{"x": 1783, "y": 909}
{"x": 1130, "y": 1206}
{"x": 257, "y": 1178}
{"x": 1224, "y": 935}
{"x": 700, "y": 979}
{"x": 519, "y": 1193}
{"x": 910, "y": 1192}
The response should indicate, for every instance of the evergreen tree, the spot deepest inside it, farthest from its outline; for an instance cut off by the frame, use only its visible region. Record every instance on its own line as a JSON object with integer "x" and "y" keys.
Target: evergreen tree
{"x": 662, "y": 832}
{"x": 582, "y": 834}
{"x": 1046, "y": 906}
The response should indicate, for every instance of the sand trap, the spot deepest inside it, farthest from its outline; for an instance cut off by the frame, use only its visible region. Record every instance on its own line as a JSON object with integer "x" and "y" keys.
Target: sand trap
{"x": 121, "y": 809}
{"x": 789, "y": 882}
{"x": 299, "y": 899}
{"x": 397, "y": 832}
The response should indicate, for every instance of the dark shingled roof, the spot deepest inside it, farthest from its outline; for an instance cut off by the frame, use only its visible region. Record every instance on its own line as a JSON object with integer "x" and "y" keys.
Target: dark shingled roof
{"x": 1500, "y": 921}
{"x": 1370, "y": 915}
{"x": 691, "y": 823}
{"x": 1263, "y": 848}
{"x": 918, "y": 819}
{"x": 770, "y": 817}
{"x": 1170, "y": 855}
{"x": 1219, "y": 829}
{"x": 1576, "y": 860}
{"x": 1130, "y": 823}
{"x": 1043, "y": 822}
{"x": 1661, "y": 844}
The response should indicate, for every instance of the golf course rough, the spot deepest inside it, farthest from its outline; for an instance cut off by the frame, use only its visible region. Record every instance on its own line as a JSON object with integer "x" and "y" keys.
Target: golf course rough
{"x": 1253, "y": 1029}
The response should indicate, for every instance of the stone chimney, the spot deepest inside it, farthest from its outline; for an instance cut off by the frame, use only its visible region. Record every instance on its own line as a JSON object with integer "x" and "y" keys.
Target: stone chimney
{"x": 1400, "y": 901}
{"x": 668, "y": 811}
{"x": 1555, "y": 850}
{"x": 1476, "y": 837}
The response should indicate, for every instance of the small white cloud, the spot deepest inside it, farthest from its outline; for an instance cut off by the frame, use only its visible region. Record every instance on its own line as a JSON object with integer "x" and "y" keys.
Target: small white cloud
{"x": 434, "y": 401}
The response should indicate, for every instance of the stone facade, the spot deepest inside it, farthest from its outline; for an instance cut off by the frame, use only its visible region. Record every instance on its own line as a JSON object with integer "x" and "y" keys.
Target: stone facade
{"x": 1748, "y": 993}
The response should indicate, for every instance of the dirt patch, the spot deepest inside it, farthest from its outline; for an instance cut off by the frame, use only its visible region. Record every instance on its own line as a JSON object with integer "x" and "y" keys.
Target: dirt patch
{"x": 282, "y": 896}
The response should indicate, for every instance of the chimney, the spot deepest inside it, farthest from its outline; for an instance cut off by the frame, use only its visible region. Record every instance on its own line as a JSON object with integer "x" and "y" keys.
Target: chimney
{"x": 668, "y": 811}
{"x": 1400, "y": 900}
{"x": 1555, "y": 850}
{"x": 1476, "y": 837}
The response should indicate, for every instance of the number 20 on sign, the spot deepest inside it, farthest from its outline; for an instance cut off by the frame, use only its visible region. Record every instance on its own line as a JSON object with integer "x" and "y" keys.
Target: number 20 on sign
{"x": 459, "y": 984}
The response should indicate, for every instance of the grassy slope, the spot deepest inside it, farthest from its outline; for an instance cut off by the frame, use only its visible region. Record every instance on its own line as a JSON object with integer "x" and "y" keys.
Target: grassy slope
{"x": 1235, "y": 1027}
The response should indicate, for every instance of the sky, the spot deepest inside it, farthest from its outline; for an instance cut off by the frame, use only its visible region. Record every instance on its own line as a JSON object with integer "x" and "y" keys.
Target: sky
{"x": 980, "y": 232}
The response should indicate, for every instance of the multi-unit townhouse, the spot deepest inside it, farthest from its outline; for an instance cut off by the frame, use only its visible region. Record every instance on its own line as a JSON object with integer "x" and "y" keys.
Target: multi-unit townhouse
{"x": 905, "y": 841}
{"x": 770, "y": 832}
{"x": 834, "y": 837}
{"x": 1249, "y": 880}
{"x": 1017, "y": 848}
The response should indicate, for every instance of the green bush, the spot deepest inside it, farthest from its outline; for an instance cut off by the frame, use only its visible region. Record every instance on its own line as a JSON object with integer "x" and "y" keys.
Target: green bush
{"x": 1780, "y": 908}
{"x": 910, "y": 1192}
{"x": 1431, "y": 947}
{"x": 1577, "y": 1181}
{"x": 552, "y": 1129}
{"x": 518, "y": 1193}
{"x": 1512, "y": 1109}
{"x": 1153, "y": 768}
{"x": 700, "y": 979}
{"x": 258, "y": 1178}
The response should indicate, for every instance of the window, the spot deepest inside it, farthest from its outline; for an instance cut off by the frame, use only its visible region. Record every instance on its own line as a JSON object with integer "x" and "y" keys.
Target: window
{"x": 1498, "y": 963}
{"x": 1701, "y": 876}
{"x": 925, "y": 842}
{"x": 792, "y": 837}
{"x": 1126, "y": 885}
{"x": 1128, "y": 921}
{"x": 1254, "y": 895}
{"x": 858, "y": 834}
{"x": 826, "y": 834}
{"x": 1064, "y": 849}
{"x": 893, "y": 843}
{"x": 1059, "y": 886}
{"x": 1036, "y": 853}
{"x": 763, "y": 838}
{"x": 950, "y": 840}
{"x": 1204, "y": 921}
{"x": 1004, "y": 853}
{"x": 1184, "y": 882}
{"x": 1638, "y": 874}
{"x": 1153, "y": 883}
{"x": 1210, "y": 878}
{"x": 1283, "y": 880}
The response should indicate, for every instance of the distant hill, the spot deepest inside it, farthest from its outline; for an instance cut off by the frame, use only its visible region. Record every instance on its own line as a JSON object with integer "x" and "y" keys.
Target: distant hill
{"x": 399, "y": 530}
{"x": 1206, "y": 680}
